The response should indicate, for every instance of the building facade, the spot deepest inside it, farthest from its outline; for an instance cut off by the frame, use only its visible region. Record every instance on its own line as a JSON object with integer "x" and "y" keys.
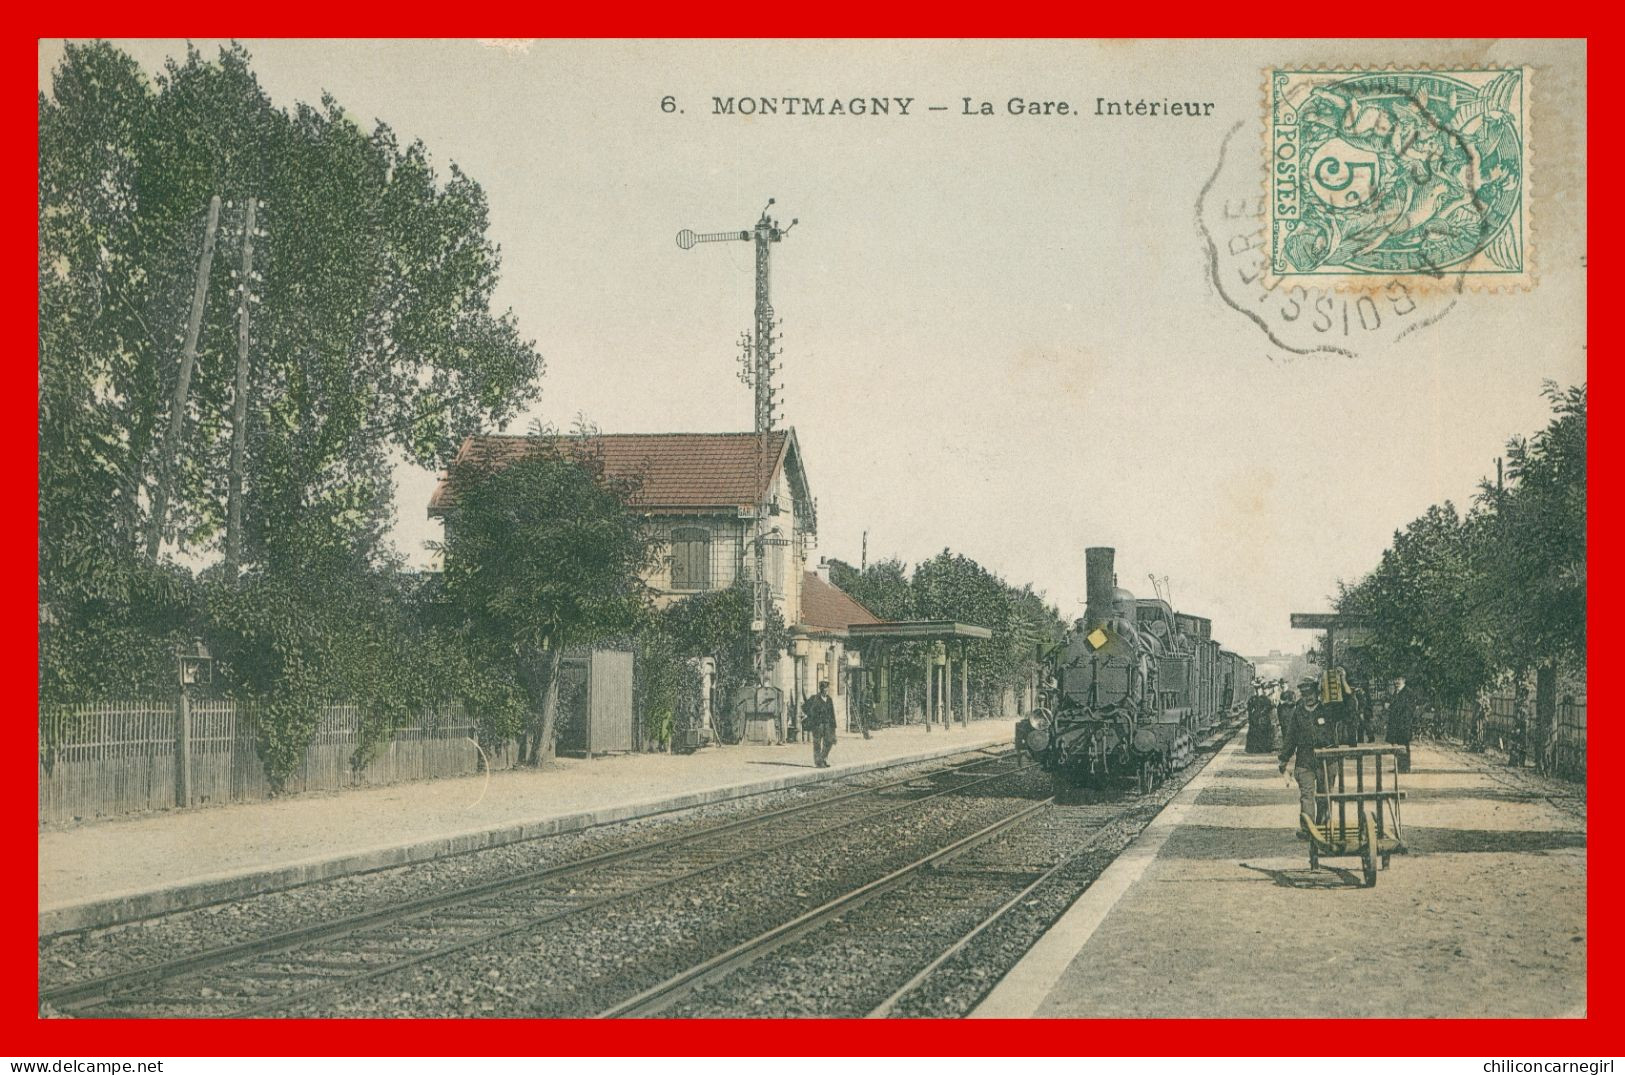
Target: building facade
{"x": 726, "y": 506}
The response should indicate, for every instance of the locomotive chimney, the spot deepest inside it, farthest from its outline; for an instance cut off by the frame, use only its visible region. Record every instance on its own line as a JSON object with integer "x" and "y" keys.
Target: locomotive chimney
{"x": 1101, "y": 582}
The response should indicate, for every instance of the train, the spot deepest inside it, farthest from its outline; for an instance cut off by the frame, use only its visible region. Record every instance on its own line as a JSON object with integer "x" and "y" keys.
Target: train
{"x": 1129, "y": 691}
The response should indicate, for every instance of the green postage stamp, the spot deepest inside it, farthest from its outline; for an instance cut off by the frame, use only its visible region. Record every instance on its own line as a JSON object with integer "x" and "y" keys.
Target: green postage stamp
{"x": 1420, "y": 174}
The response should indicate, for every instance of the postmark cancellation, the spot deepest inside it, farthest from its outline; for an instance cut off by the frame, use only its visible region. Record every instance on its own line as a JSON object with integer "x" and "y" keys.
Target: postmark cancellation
{"x": 1421, "y": 175}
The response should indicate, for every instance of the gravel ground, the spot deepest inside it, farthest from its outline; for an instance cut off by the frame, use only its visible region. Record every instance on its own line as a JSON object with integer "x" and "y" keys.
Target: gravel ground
{"x": 582, "y": 965}
{"x": 853, "y": 963}
{"x": 74, "y": 957}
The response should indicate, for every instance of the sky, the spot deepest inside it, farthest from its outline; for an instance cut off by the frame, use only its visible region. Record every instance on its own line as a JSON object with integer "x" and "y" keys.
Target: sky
{"x": 1005, "y": 335}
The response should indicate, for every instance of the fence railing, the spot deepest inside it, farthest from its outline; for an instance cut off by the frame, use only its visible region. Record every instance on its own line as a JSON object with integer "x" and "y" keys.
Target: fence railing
{"x": 1495, "y": 724}
{"x": 122, "y": 757}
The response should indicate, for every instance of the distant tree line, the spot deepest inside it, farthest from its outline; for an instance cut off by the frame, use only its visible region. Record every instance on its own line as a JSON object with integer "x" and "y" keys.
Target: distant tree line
{"x": 1462, "y": 603}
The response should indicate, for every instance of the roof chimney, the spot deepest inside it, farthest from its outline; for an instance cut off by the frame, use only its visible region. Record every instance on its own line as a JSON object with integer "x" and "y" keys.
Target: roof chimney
{"x": 823, "y": 571}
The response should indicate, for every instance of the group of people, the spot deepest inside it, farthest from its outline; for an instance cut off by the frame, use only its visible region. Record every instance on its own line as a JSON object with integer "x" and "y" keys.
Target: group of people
{"x": 1326, "y": 711}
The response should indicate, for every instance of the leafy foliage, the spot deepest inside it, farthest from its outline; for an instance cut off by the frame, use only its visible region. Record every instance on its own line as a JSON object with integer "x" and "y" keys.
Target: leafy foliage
{"x": 718, "y": 624}
{"x": 882, "y": 587}
{"x": 372, "y": 332}
{"x": 1459, "y": 603}
{"x": 543, "y": 553}
{"x": 952, "y": 586}
{"x": 372, "y": 337}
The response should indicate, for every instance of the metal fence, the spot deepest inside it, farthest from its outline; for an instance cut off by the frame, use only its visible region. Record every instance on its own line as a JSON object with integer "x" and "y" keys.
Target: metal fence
{"x": 1494, "y": 723}
{"x": 121, "y": 757}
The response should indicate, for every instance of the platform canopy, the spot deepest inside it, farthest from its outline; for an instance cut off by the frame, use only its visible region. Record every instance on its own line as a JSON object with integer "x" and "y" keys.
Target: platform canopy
{"x": 1331, "y": 623}
{"x": 919, "y": 630}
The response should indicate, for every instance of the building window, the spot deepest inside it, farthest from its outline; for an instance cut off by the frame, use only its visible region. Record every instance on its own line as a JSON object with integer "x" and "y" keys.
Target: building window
{"x": 690, "y": 558}
{"x": 777, "y": 571}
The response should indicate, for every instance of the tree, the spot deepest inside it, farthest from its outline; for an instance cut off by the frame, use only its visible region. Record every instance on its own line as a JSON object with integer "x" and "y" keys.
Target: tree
{"x": 373, "y": 331}
{"x": 882, "y": 587}
{"x": 372, "y": 337}
{"x": 1534, "y": 559}
{"x": 1533, "y": 562}
{"x": 1464, "y": 602}
{"x": 543, "y": 553}
{"x": 1420, "y": 600}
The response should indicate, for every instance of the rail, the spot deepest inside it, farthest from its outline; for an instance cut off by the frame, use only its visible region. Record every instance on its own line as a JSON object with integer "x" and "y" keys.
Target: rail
{"x": 82, "y": 997}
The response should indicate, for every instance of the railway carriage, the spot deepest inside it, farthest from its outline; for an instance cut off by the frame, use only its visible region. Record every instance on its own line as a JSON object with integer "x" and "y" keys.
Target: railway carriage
{"x": 1130, "y": 689}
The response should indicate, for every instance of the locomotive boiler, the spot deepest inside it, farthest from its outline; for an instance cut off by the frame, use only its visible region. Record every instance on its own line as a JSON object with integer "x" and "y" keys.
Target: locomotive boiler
{"x": 1130, "y": 689}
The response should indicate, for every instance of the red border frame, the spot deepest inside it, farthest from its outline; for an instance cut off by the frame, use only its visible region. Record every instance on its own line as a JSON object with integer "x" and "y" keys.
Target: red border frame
{"x": 25, "y": 1034}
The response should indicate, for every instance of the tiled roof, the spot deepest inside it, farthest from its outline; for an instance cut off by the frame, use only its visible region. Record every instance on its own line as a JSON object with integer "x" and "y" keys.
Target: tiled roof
{"x": 829, "y": 606}
{"x": 675, "y": 470}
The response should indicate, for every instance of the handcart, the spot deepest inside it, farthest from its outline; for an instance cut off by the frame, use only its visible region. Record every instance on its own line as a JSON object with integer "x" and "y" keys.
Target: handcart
{"x": 1357, "y": 797}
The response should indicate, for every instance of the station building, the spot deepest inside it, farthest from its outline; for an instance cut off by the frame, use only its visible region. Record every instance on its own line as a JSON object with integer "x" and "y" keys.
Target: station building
{"x": 713, "y": 497}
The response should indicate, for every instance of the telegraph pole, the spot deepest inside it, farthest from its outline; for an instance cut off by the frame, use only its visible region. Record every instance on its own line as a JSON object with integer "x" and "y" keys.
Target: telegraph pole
{"x": 183, "y": 383}
{"x": 757, "y": 368}
{"x": 239, "y": 404}
{"x": 757, "y": 363}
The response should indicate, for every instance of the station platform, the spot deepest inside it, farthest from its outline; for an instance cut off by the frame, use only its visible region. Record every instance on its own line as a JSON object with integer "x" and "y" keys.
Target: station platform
{"x": 1213, "y": 911}
{"x": 113, "y": 871}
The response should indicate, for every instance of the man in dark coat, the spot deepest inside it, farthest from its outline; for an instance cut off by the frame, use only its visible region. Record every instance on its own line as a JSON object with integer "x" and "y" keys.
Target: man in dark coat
{"x": 1362, "y": 706}
{"x": 1283, "y": 713}
{"x": 1304, "y": 726}
{"x": 1401, "y": 717}
{"x": 818, "y": 718}
{"x": 1260, "y": 722}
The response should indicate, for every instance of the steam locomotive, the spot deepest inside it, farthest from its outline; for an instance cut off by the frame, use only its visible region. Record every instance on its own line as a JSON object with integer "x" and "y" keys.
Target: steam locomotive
{"x": 1130, "y": 689}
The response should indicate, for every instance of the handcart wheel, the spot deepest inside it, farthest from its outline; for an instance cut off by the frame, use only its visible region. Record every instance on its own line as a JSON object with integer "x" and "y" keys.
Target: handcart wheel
{"x": 1368, "y": 848}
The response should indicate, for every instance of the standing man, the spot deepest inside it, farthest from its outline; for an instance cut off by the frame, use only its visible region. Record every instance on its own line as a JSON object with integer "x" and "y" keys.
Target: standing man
{"x": 1284, "y": 706}
{"x": 1260, "y": 722}
{"x": 819, "y": 719}
{"x": 1362, "y": 709}
{"x": 1401, "y": 716}
{"x": 1303, "y": 728}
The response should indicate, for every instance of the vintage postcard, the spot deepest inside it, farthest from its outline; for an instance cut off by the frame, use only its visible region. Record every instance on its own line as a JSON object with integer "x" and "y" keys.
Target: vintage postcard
{"x": 813, "y": 529}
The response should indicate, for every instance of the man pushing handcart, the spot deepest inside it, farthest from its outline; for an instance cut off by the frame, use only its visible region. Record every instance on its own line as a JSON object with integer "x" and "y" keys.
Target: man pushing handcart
{"x": 1348, "y": 796}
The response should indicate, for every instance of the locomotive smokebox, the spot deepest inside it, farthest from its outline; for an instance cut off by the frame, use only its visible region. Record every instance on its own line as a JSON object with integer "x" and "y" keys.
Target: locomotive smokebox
{"x": 1101, "y": 582}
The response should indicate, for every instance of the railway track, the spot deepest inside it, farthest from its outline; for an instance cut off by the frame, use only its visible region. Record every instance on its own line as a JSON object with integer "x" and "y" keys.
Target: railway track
{"x": 930, "y": 938}
{"x": 656, "y": 1000}
{"x": 272, "y": 974}
{"x": 907, "y": 898}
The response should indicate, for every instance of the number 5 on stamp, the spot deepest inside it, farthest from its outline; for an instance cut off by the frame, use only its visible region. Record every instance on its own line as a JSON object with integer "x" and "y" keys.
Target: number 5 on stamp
{"x": 1418, "y": 174}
